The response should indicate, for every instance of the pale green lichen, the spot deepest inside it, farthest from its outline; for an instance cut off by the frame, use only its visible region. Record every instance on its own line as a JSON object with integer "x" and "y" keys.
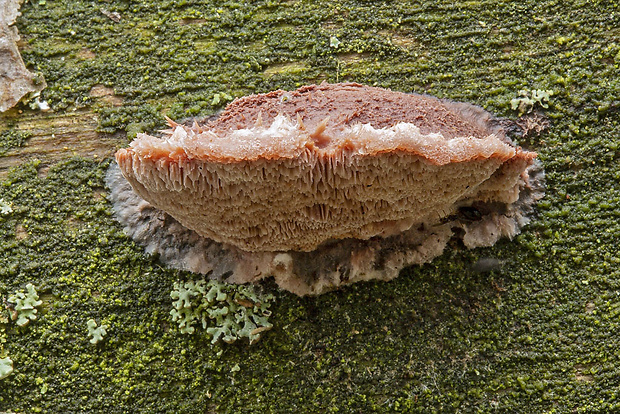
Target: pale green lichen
{"x": 227, "y": 312}
{"x": 5, "y": 208}
{"x": 6, "y": 367}
{"x": 334, "y": 42}
{"x": 23, "y": 305}
{"x": 97, "y": 333}
{"x": 3, "y": 362}
{"x": 526, "y": 100}
{"x": 6, "y": 364}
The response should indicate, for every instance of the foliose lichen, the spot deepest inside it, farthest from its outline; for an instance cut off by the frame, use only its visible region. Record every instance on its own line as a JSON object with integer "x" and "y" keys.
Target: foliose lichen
{"x": 97, "y": 333}
{"x": 227, "y": 312}
{"x": 6, "y": 367}
{"x": 5, "y": 208}
{"x": 526, "y": 100}
{"x": 6, "y": 364}
{"x": 23, "y": 306}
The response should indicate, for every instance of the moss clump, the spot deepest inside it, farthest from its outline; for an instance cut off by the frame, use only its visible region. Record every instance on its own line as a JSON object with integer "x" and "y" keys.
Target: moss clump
{"x": 228, "y": 312}
{"x": 11, "y": 139}
{"x": 131, "y": 119}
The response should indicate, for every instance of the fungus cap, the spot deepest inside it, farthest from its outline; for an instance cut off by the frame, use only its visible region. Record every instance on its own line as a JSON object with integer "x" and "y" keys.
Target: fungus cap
{"x": 323, "y": 186}
{"x": 292, "y": 170}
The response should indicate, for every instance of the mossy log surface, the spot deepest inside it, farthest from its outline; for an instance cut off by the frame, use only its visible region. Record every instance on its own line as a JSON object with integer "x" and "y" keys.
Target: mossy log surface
{"x": 539, "y": 334}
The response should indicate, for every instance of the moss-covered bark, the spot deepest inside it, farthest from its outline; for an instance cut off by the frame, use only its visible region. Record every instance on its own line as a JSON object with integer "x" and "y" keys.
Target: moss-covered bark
{"x": 538, "y": 334}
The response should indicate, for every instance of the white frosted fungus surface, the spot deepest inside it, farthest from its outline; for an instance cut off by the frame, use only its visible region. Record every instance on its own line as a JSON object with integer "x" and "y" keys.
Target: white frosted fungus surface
{"x": 318, "y": 191}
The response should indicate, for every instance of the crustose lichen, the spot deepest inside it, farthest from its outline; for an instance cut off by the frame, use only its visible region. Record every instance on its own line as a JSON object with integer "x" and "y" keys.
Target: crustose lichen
{"x": 227, "y": 312}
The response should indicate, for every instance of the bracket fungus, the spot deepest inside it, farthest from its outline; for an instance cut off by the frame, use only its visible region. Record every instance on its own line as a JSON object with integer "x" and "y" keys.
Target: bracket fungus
{"x": 323, "y": 186}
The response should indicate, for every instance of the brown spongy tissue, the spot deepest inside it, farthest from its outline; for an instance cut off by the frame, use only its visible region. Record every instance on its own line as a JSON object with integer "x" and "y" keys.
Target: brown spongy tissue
{"x": 324, "y": 186}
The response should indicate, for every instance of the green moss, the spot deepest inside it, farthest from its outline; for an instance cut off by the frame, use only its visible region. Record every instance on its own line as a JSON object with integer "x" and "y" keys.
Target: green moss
{"x": 540, "y": 334}
{"x": 11, "y": 139}
{"x": 131, "y": 119}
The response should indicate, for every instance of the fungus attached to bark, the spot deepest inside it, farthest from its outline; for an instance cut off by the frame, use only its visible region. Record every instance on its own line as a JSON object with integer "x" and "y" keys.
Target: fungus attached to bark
{"x": 324, "y": 186}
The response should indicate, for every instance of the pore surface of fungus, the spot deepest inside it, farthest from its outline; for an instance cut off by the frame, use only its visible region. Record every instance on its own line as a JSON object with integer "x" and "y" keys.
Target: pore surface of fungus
{"x": 323, "y": 186}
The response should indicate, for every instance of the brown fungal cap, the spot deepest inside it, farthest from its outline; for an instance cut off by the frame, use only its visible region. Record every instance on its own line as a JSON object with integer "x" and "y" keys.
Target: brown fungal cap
{"x": 265, "y": 185}
{"x": 352, "y": 103}
{"x": 341, "y": 169}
